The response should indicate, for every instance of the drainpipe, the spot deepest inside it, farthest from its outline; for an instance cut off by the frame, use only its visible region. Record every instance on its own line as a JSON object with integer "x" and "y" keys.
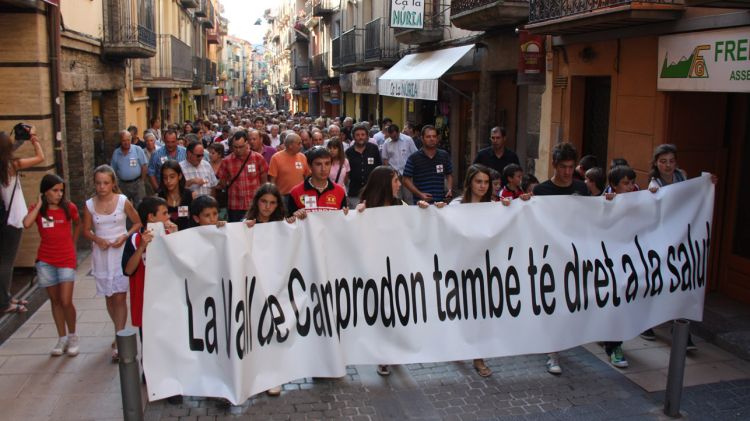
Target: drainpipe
{"x": 53, "y": 35}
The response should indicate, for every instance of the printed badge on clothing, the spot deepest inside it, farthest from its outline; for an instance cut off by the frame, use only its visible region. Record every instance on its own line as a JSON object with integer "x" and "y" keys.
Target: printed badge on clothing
{"x": 164, "y": 159}
{"x": 439, "y": 168}
{"x": 48, "y": 223}
{"x": 251, "y": 168}
{"x": 311, "y": 202}
{"x": 298, "y": 165}
{"x": 182, "y": 212}
{"x": 133, "y": 162}
{"x": 370, "y": 161}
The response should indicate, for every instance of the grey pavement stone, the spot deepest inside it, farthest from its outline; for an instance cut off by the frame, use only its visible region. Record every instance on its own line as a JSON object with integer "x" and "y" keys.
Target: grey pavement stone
{"x": 519, "y": 389}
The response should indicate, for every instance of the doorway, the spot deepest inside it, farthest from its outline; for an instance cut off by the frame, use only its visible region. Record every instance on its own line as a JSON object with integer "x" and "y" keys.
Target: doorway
{"x": 596, "y": 118}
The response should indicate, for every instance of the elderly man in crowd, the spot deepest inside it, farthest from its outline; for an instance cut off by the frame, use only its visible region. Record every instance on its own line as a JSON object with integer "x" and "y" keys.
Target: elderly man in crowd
{"x": 131, "y": 166}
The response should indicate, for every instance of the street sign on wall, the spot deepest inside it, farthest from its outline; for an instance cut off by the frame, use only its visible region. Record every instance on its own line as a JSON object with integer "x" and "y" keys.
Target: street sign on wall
{"x": 407, "y": 14}
{"x": 712, "y": 61}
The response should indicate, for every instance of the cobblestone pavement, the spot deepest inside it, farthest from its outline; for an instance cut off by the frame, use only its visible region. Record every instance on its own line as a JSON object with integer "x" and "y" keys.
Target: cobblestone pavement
{"x": 520, "y": 388}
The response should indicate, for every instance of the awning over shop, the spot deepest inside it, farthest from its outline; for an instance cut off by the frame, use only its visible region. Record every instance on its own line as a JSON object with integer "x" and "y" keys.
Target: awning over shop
{"x": 416, "y": 75}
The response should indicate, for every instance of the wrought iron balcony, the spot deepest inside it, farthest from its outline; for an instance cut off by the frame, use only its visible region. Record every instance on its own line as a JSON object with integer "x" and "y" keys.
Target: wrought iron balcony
{"x": 319, "y": 66}
{"x": 298, "y": 34}
{"x": 381, "y": 47}
{"x": 336, "y": 53}
{"x": 202, "y": 10}
{"x": 213, "y": 37}
{"x": 127, "y": 34}
{"x": 559, "y": 17}
{"x": 432, "y": 30}
{"x": 199, "y": 76}
{"x": 301, "y": 77}
{"x": 209, "y": 21}
{"x": 352, "y": 49}
{"x": 189, "y": 4}
{"x": 323, "y": 8}
{"x": 172, "y": 66}
{"x": 727, "y": 4}
{"x": 482, "y": 15}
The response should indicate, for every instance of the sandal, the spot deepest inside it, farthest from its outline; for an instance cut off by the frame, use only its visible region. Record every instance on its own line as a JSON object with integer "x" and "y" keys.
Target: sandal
{"x": 115, "y": 356}
{"x": 21, "y": 302}
{"x": 16, "y": 308}
{"x": 482, "y": 369}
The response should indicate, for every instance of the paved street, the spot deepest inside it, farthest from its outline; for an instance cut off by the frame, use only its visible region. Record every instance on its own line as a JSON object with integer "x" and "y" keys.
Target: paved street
{"x": 34, "y": 386}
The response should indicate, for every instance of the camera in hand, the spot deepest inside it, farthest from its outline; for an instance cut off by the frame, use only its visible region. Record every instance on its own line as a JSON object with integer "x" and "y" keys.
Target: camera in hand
{"x": 22, "y": 131}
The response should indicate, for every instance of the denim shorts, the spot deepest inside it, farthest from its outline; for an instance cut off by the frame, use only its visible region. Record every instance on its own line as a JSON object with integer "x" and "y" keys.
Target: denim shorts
{"x": 50, "y": 276}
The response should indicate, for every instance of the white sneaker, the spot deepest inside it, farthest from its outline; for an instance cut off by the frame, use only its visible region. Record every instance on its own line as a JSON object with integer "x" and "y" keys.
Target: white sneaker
{"x": 553, "y": 365}
{"x": 59, "y": 349}
{"x": 73, "y": 340}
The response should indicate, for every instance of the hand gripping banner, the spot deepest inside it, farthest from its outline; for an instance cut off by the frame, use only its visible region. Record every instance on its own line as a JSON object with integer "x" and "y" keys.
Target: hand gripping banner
{"x": 233, "y": 311}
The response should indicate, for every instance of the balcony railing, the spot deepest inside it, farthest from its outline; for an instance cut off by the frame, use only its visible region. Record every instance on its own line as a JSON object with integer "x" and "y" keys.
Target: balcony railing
{"x": 381, "y": 48}
{"x": 198, "y": 73}
{"x": 297, "y": 35}
{"x": 213, "y": 37}
{"x": 481, "y": 15}
{"x": 432, "y": 30}
{"x": 128, "y": 34}
{"x": 352, "y": 48}
{"x": 566, "y": 16}
{"x": 320, "y": 66}
{"x": 202, "y": 10}
{"x": 301, "y": 76}
{"x": 324, "y": 8}
{"x": 209, "y": 21}
{"x": 172, "y": 63}
{"x": 336, "y": 53}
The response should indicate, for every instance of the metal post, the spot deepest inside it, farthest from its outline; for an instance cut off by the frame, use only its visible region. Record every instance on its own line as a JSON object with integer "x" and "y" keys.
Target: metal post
{"x": 130, "y": 385}
{"x": 673, "y": 394}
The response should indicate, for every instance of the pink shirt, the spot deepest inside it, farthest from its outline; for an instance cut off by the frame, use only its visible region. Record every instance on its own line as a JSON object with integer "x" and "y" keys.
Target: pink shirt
{"x": 335, "y": 171}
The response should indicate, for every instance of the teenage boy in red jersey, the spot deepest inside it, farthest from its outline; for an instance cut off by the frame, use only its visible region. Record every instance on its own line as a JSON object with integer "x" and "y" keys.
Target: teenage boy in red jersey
{"x": 316, "y": 192}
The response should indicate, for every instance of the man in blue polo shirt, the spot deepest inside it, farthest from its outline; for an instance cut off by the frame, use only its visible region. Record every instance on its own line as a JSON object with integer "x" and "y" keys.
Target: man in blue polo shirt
{"x": 170, "y": 150}
{"x": 429, "y": 170}
{"x": 130, "y": 165}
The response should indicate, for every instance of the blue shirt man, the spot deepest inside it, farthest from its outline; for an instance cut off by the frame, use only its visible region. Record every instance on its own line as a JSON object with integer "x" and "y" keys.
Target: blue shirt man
{"x": 130, "y": 164}
{"x": 170, "y": 150}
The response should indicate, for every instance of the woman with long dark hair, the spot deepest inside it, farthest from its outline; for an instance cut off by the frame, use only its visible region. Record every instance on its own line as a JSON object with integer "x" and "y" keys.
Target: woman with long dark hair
{"x": 172, "y": 189}
{"x": 58, "y": 223}
{"x": 12, "y": 214}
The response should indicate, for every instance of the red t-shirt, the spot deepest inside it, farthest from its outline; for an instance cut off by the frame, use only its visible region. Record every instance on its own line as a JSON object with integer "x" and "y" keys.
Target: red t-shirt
{"x": 57, "y": 248}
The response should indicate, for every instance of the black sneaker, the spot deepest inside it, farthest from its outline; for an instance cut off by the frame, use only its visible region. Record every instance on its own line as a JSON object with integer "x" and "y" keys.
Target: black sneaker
{"x": 690, "y": 345}
{"x": 648, "y": 335}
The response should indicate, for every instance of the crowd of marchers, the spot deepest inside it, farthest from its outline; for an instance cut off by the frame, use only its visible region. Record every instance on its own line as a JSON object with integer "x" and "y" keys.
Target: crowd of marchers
{"x": 256, "y": 166}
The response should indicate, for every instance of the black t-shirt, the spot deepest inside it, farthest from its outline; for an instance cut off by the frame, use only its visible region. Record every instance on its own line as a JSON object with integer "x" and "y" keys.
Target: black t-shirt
{"x": 488, "y": 158}
{"x": 180, "y": 214}
{"x": 548, "y": 188}
{"x": 361, "y": 165}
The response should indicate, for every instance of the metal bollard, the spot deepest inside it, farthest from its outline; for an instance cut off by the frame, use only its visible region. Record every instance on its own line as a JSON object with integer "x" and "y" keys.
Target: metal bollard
{"x": 673, "y": 394}
{"x": 130, "y": 385}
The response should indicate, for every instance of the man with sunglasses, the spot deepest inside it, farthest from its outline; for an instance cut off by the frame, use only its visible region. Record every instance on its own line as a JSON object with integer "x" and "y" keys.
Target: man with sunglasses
{"x": 199, "y": 176}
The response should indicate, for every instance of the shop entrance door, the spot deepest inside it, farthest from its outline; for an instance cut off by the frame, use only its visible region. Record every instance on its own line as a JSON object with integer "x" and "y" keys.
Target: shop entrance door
{"x": 596, "y": 118}
{"x": 734, "y": 260}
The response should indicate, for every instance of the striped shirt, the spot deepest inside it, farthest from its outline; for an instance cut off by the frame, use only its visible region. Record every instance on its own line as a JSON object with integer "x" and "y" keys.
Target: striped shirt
{"x": 428, "y": 174}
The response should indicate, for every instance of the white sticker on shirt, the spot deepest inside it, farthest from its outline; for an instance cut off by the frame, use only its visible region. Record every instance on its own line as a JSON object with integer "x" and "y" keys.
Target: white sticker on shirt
{"x": 48, "y": 223}
{"x": 251, "y": 168}
{"x": 298, "y": 165}
{"x": 370, "y": 161}
{"x": 439, "y": 168}
{"x": 311, "y": 202}
{"x": 133, "y": 162}
{"x": 182, "y": 212}
{"x": 164, "y": 159}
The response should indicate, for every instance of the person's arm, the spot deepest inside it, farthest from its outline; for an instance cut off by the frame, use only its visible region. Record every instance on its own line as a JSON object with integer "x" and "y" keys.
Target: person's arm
{"x": 449, "y": 181}
{"x": 134, "y": 258}
{"x": 76, "y": 225}
{"x": 409, "y": 184}
{"x": 38, "y": 158}
{"x": 152, "y": 166}
{"x": 30, "y": 217}
{"x": 384, "y": 154}
{"x": 89, "y": 234}
{"x": 135, "y": 219}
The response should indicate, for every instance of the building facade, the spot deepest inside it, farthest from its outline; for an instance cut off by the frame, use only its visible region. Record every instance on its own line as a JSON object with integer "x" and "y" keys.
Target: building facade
{"x": 626, "y": 78}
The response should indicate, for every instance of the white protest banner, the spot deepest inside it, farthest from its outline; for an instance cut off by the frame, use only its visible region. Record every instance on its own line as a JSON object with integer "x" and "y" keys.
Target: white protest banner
{"x": 233, "y": 311}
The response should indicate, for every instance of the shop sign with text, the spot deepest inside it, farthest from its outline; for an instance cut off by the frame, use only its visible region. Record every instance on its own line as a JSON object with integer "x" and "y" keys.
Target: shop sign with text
{"x": 712, "y": 61}
{"x": 407, "y": 14}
